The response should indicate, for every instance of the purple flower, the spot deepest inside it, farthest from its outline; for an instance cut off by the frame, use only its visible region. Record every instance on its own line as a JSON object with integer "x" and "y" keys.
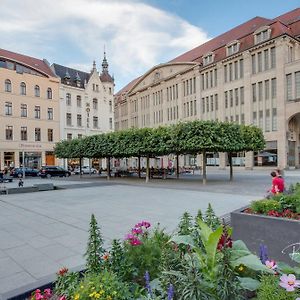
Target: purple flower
{"x": 271, "y": 264}
{"x": 135, "y": 242}
{"x": 146, "y": 224}
{"x": 289, "y": 282}
{"x": 263, "y": 253}
{"x": 129, "y": 236}
{"x": 148, "y": 287}
{"x": 170, "y": 292}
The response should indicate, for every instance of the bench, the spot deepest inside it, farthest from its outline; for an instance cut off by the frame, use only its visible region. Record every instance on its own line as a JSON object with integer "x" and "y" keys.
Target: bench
{"x": 44, "y": 186}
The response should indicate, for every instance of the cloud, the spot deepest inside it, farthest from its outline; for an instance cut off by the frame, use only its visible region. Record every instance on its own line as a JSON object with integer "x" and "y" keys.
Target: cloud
{"x": 73, "y": 32}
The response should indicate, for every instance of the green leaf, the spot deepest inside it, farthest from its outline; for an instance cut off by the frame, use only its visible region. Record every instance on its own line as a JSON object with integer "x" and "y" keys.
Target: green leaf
{"x": 252, "y": 262}
{"x": 183, "y": 239}
{"x": 295, "y": 257}
{"x": 205, "y": 231}
{"x": 285, "y": 268}
{"x": 249, "y": 284}
{"x": 211, "y": 245}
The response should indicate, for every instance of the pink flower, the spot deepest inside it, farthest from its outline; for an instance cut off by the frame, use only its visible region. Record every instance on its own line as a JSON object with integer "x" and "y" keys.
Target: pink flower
{"x": 137, "y": 230}
{"x": 38, "y": 296}
{"x": 289, "y": 282}
{"x": 271, "y": 264}
{"x": 146, "y": 224}
{"x": 135, "y": 242}
{"x": 129, "y": 236}
{"x": 62, "y": 298}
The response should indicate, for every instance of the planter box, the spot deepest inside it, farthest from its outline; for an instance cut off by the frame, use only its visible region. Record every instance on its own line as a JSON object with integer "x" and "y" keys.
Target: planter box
{"x": 275, "y": 233}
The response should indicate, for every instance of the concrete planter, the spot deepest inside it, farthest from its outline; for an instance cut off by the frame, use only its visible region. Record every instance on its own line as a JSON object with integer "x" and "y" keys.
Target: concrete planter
{"x": 275, "y": 233}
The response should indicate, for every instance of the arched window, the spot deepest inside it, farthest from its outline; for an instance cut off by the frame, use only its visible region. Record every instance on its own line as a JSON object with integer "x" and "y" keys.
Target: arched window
{"x": 7, "y": 85}
{"x": 23, "y": 88}
{"x": 37, "y": 91}
{"x": 49, "y": 93}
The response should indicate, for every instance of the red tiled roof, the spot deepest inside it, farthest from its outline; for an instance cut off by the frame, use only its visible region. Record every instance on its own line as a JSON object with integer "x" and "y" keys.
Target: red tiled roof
{"x": 127, "y": 87}
{"x": 105, "y": 77}
{"x": 290, "y": 16}
{"x": 34, "y": 63}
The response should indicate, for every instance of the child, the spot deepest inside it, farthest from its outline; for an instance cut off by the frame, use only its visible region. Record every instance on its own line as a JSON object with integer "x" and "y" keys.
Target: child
{"x": 21, "y": 182}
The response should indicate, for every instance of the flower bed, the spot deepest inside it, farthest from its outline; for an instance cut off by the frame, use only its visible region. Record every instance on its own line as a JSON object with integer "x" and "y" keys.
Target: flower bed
{"x": 199, "y": 261}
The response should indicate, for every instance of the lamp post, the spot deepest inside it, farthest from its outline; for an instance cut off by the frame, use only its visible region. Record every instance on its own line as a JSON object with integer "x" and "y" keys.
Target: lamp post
{"x": 23, "y": 163}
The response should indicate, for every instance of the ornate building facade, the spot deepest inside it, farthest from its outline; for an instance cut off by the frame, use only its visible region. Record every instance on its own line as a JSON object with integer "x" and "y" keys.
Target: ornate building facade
{"x": 29, "y": 100}
{"x": 86, "y": 102}
{"x": 248, "y": 75}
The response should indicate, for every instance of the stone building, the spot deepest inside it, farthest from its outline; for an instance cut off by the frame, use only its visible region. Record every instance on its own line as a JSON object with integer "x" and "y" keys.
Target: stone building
{"x": 29, "y": 100}
{"x": 86, "y": 103}
{"x": 248, "y": 75}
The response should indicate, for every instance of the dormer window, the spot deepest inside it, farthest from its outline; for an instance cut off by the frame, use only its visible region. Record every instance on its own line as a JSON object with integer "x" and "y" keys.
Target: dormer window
{"x": 262, "y": 34}
{"x": 233, "y": 48}
{"x": 208, "y": 58}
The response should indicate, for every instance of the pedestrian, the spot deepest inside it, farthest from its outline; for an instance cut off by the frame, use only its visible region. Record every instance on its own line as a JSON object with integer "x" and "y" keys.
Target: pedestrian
{"x": 21, "y": 183}
{"x": 277, "y": 185}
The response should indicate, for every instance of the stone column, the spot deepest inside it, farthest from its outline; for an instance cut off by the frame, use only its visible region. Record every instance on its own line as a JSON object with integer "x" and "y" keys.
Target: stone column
{"x": 222, "y": 160}
{"x": 249, "y": 160}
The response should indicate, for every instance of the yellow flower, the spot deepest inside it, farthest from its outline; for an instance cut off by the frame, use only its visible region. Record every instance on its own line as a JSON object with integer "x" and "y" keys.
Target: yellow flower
{"x": 108, "y": 298}
{"x": 97, "y": 295}
{"x": 92, "y": 294}
{"x": 81, "y": 286}
{"x": 76, "y": 297}
{"x": 241, "y": 268}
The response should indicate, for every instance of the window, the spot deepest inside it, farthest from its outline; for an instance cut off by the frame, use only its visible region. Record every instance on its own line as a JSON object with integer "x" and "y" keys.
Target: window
{"x": 95, "y": 122}
{"x": 110, "y": 123}
{"x": 37, "y": 91}
{"x": 69, "y": 136}
{"x": 254, "y": 118}
{"x": 7, "y": 85}
{"x": 37, "y": 112}
{"x": 8, "y": 108}
{"x": 69, "y": 119}
{"x": 273, "y": 88}
{"x": 9, "y": 133}
{"x": 289, "y": 87}
{"x": 273, "y": 57}
{"x": 267, "y": 89}
{"x": 109, "y": 90}
{"x": 78, "y": 101}
{"x": 260, "y": 91}
{"x": 230, "y": 72}
{"x": 236, "y": 70}
{"x": 236, "y": 94}
{"x": 233, "y": 48}
{"x": 49, "y": 93}
{"x": 267, "y": 128}
{"x": 23, "y": 88}
{"x": 79, "y": 135}
{"x": 50, "y": 135}
{"x": 225, "y": 73}
{"x": 216, "y": 102}
{"x": 37, "y": 134}
{"x": 259, "y": 62}
{"x": 266, "y": 59}
{"x": 68, "y": 99}
{"x": 254, "y": 92}
{"x": 110, "y": 106}
{"x": 95, "y": 103}
{"x": 262, "y": 35}
{"x": 50, "y": 113}
{"x": 79, "y": 120}
{"x": 208, "y": 58}
{"x": 23, "y": 110}
{"x": 23, "y": 133}
{"x": 242, "y": 118}
{"x": 241, "y": 68}
{"x": 231, "y": 98}
{"x": 226, "y": 99}
{"x": 260, "y": 125}
{"x": 253, "y": 63}
{"x": 297, "y": 84}
{"x": 242, "y": 101}
{"x": 274, "y": 119}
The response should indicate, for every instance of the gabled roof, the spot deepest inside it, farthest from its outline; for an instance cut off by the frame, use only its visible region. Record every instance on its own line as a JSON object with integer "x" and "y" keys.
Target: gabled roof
{"x": 105, "y": 77}
{"x": 34, "y": 63}
{"x": 290, "y": 17}
{"x": 61, "y": 71}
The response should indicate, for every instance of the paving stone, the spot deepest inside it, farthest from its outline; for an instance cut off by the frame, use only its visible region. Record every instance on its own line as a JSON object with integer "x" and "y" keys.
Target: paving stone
{"x": 57, "y": 252}
{"x": 8, "y": 267}
{"x": 21, "y": 253}
{"x": 8, "y": 241}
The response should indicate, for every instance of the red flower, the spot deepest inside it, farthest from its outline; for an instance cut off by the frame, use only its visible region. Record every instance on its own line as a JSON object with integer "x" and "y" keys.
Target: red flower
{"x": 225, "y": 240}
{"x": 62, "y": 271}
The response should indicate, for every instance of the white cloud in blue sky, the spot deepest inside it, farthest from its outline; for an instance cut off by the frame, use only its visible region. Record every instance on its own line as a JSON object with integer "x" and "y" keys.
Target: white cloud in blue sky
{"x": 73, "y": 32}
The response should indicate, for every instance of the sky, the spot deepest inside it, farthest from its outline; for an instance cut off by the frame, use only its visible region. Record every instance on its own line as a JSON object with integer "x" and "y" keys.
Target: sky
{"x": 136, "y": 34}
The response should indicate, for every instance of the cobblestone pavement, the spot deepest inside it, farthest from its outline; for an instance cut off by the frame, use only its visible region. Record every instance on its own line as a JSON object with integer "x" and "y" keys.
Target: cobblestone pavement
{"x": 43, "y": 231}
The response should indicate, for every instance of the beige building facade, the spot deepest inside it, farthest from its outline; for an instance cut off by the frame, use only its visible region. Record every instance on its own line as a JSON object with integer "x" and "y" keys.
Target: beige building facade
{"x": 86, "y": 104}
{"x": 29, "y": 114}
{"x": 248, "y": 75}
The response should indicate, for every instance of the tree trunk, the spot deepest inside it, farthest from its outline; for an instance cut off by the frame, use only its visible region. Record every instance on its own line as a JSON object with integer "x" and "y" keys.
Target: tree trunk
{"x": 108, "y": 167}
{"x": 204, "y": 167}
{"x": 230, "y": 165}
{"x": 177, "y": 166}
{"x": 148, "y": 169}
{"x": 80, "y": 167}
{"x": 139, "y": 166}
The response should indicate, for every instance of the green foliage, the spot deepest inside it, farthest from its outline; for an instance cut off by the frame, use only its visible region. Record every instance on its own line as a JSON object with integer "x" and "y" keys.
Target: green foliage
{"x": 66, "y": 284}
{"x": 102, "y": 286}
{"x": 188, "y": 137}
{"x": 270, "y": 290}
{"x": 265, "y": 205}
{"x": 95, "y": 249}
{"x": 211, "y": 219}
{"x": 185, "y": 225}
